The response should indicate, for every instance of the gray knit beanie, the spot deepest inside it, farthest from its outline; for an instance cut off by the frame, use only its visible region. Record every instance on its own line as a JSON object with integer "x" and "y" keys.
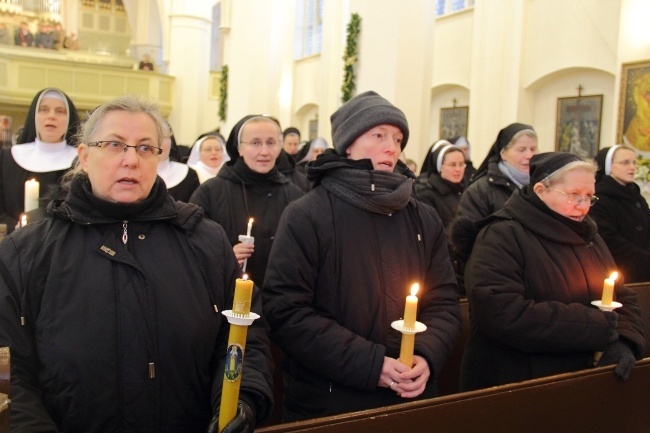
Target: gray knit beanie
{"x": 361, "y": 113}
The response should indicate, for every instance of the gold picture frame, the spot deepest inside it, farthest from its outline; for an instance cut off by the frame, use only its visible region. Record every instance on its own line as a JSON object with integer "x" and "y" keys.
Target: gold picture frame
{"x": 634, "y": 106}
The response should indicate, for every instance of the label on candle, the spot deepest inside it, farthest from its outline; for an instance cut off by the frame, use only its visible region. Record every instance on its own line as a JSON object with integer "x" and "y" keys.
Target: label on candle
{"x": 243, "y": 295}
{"x": 234, "y": 362}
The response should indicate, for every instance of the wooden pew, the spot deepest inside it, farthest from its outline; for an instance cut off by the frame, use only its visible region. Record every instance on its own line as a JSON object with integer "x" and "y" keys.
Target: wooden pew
{"x": 643, "y": 298}
{"x": 592, "y": 400}
{"x": 4, "y": 389}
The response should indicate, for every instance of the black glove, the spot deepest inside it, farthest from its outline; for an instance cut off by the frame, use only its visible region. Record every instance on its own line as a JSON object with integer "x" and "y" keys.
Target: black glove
{"x": 620, "y": 354}
{"x": 243, "y": 422}
{"x": 612, "y": 321}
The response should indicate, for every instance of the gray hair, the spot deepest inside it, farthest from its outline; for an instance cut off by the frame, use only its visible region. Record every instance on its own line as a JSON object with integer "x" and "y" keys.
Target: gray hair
{"x": 557, "y": 176}
{"x": 128, "y": 103}
{"x": 527, "y": 132}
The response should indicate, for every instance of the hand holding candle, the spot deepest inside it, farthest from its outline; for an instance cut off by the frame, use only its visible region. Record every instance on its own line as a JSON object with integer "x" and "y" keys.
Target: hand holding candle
{"x": 608, "y": 289}
{"x": 409, "y": 327}
{"x": 31, "y": 194}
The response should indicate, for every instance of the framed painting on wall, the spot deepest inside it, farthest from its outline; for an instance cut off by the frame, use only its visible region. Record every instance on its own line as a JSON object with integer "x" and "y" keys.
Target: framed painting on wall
{"x": 577, "y": 129}
{"x": 634, "y": 106}
{"x": 453, "y": 122}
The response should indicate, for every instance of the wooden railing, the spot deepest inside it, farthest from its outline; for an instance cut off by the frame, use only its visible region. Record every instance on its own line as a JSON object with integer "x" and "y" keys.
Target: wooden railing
{"x": 88, "y": 79}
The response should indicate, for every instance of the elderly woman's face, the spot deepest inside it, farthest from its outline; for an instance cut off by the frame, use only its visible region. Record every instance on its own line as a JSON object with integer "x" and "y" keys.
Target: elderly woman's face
{"x": 623, "y": 165}
{"x": 211, "y": 152}
{"x": 518, "y": 154}
{"x": 51, "y": 120}
{"x": 571, "y": 196}
{"x": 123, "y": 177}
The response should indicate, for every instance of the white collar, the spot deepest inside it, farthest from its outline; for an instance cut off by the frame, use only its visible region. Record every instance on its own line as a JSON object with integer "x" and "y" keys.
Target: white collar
{"x": 41, "y": 157}
{"x": 204, "y": 171}
{"x": 172, "y": 172}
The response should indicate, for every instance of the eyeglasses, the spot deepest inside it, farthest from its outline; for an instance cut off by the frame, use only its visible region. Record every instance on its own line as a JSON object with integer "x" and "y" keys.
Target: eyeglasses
{"x": 117, "y": 147}
{"x": 456, "y": 165}
{"x": 626, "y": 162}
{"x": 258, "y": 143}
{"x": 577, "y": 199}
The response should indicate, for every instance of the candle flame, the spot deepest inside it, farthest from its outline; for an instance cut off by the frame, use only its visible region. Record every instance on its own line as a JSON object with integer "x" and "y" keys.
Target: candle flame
{"x": 250, "y": 221}
{"x": 614, "y": 276}
{"x": 414, "y": 289}
{"x": 244, "y": 277}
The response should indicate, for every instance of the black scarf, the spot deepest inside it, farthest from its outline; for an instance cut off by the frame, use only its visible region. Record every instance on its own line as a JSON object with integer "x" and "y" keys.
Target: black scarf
{"x": 356, "y": 183}
{"x": 81, "y": 193}
{"x": 250, "y": 177}
{"x": 582, "y": 228}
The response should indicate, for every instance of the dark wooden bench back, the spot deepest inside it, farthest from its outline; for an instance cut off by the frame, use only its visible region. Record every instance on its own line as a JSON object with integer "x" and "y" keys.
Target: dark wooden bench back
{"x": 593, "y": 400}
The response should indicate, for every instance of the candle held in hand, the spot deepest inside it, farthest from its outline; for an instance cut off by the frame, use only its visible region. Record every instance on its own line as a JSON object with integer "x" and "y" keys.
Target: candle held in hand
{"x": 608, "y": 289}
{"x": 411, "y": 308}
{"x": 31, "y": 194}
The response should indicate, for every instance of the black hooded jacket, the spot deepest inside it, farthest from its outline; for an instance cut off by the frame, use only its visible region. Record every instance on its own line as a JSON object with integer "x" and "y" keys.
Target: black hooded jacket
{"x": 530, "y": 281}
{"x": 338, "y": 275}
{"x": 121, "y": 334}
{"x": 623, "y": 220}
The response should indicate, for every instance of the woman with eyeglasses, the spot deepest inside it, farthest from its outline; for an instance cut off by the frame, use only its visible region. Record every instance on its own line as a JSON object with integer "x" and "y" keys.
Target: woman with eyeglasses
{"x": 443, "y": 187}
{"x": 45, "y": 151}
{"x": 532, "y": 273}
{"x": 112, "y": 306}
{"x": 250, "y": 186}
{"x": 622, "y": 213}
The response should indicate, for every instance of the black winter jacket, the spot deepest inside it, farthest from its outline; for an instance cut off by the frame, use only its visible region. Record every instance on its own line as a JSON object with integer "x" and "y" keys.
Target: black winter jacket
{"x": 623, "y": 220}
{"x": 337, "y": 277}
{"x": 441, "y": 195}
{"x": 122, "y": 336}
{"x": 486, "y": 195}
{"x": 231, "y": 202}
{"x": 530, "y": 281}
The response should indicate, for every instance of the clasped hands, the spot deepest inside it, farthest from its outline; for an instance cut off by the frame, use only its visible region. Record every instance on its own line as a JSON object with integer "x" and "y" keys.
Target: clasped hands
{"x": 404, "y": 381}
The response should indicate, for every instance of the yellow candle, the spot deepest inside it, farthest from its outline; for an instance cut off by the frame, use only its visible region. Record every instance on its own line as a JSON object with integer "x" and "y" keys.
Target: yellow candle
{"x": 250, "y": 227}
{"x": 408, "y": 340}
{"x": 608, "y": 289}
{"x": 235, "y": 353}
{"x": 243, "y": 296}
{"x": 31, "y": 194}
{"x": 411, "y": 308}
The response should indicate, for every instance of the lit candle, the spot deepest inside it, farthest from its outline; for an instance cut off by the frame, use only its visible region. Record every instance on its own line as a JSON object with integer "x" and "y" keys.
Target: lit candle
{"x": 235, "y": 352}
{"x": 250, "y": 227}
{"x": 31, "y": 194}
{"x": 410, "y": 311}
{"x": 608, "y": 289}
{"x": 23, "y": 220}
{"x": 408, "y": 340}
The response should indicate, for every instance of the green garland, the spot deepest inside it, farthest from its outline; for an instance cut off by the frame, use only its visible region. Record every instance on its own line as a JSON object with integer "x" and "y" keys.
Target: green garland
{"x": 223, "y": 93}
{"x": 350, "y": 57}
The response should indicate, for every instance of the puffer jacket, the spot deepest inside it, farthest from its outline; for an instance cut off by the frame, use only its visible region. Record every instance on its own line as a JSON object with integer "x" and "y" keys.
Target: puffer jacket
{"x": 530, "y": 281}
{"x": 120, "y": 332}
{"x": 486, "y": 195}
{"x": 337, "y": 277}
{"x": 230, "y": 201}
